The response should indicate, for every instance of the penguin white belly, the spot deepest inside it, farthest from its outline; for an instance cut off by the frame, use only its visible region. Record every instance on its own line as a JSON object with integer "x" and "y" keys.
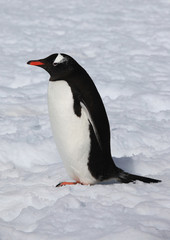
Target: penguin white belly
{"x": 71, "y": 133}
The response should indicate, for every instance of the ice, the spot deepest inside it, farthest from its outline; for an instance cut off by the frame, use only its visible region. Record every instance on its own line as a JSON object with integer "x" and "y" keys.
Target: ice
{"x": 124, "y": 46}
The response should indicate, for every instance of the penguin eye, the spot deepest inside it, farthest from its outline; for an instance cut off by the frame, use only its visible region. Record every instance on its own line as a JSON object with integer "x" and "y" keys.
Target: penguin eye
{"x": 54, "y": 64}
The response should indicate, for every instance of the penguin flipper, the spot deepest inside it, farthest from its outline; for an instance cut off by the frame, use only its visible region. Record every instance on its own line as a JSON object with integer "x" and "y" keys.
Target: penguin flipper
{"x": 91, "y": 121}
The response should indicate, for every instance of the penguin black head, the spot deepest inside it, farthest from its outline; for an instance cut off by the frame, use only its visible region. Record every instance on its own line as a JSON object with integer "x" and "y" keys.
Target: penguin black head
{"x": 58, "y": 65}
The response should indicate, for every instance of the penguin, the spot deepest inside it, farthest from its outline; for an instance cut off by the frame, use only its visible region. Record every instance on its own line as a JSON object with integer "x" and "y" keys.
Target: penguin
{"x": 80, "y": 124}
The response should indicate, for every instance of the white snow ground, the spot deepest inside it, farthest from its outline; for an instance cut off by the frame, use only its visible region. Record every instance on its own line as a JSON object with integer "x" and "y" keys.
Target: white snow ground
{"x": 125, "y": 47}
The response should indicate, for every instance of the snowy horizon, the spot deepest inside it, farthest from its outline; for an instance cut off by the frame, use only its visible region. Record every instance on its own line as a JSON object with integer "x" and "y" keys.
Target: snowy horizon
{"x": 124, "y": 46}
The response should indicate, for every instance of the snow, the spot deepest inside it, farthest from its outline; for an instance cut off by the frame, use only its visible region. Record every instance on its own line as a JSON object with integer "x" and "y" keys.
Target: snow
{"x": 124, "y": 46}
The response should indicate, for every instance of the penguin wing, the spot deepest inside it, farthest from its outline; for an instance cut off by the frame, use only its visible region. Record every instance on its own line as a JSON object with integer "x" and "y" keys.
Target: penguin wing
{"x": 93, "y": 106}
{"x": 91, "y": 121}
{"x": 87, "y": 99}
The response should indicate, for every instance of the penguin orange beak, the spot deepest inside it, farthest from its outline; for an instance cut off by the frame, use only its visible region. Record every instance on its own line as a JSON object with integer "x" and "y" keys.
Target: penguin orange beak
{"x": 35, "y": 63}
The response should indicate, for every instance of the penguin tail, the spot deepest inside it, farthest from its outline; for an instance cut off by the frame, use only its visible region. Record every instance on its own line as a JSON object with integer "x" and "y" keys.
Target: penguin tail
{"x": 125, "y": 177}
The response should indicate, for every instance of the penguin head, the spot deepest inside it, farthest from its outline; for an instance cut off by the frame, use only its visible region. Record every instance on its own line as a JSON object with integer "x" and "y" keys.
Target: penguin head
{"x": 58, "y": 65}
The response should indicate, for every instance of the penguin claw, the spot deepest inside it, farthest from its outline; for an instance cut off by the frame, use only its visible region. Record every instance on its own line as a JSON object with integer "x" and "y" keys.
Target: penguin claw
{"x": 67, "y": 183}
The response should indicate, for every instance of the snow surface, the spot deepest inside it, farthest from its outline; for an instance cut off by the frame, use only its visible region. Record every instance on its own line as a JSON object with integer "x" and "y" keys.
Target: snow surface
{"x": 125, "y": 47}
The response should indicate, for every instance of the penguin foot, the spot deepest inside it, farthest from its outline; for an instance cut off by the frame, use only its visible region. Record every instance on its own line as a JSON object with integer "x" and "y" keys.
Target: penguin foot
{"x": 67, "y": 183}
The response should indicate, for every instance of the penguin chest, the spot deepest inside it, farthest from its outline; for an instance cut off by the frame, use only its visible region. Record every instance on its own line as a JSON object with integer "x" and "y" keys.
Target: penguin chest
{"x": 71, "y": 133}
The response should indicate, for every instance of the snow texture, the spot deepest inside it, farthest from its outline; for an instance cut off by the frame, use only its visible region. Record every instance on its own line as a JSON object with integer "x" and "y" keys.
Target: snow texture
{"x": 125, "y": 47}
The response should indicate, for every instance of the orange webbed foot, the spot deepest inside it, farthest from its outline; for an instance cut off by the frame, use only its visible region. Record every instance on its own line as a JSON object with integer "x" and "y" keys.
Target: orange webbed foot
{"x": 67, "y": 183}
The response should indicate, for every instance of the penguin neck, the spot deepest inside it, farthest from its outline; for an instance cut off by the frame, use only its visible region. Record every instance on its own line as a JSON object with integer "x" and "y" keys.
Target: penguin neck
{"x": 78, "y": 73}
{"x": 53, "y": 79}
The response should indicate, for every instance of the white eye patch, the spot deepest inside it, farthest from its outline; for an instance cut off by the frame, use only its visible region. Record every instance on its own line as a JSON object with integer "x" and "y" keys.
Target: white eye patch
{"x": 59, "y": 59}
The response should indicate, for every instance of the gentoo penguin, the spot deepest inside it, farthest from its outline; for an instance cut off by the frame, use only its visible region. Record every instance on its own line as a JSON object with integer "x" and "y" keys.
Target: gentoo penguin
{"x": 79, "y": 123}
